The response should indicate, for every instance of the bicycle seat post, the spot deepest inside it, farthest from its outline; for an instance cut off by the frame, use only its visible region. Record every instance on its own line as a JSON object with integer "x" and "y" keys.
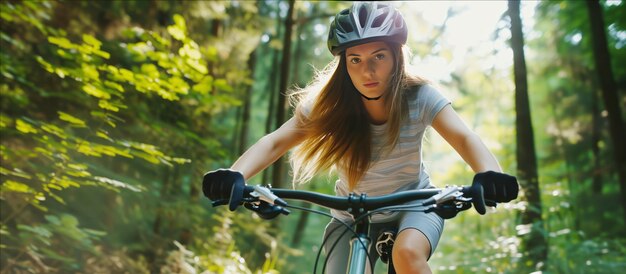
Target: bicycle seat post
{"x": 359, "y": 244}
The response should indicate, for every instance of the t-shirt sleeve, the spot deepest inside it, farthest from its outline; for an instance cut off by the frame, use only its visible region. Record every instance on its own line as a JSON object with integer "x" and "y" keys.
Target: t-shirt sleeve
{"x": 430, "y": 102}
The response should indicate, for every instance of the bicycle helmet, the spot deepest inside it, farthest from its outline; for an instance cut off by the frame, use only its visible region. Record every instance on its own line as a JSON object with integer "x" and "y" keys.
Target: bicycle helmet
{"x": 363, "y": 23}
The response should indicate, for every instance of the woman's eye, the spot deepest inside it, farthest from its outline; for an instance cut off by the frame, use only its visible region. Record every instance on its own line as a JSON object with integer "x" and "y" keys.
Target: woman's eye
{"x": 355, "y": 60}
{"x": 380, "y": 56}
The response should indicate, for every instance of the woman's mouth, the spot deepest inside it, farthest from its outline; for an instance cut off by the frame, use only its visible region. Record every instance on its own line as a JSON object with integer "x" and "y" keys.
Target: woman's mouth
{"x": 371, "y": 85}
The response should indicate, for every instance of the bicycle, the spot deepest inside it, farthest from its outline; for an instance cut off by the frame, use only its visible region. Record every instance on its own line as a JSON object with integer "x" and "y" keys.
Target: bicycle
{"x": 269, "y": 202}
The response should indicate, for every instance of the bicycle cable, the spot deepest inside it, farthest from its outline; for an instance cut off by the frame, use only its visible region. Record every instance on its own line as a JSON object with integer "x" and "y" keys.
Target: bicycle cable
{"x": 347, "y": 226}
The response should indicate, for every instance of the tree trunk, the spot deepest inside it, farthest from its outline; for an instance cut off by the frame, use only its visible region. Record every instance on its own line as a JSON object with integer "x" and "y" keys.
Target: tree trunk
{"x": 245, "y": 119}
{"x": 277, "y": 172}
{"x": 610, "y": 97}
{"x": 595, "y": 143}
{"x": 298, "y": 232}
{"x": 271, "y": 87}
{"x": 534, "y": 243}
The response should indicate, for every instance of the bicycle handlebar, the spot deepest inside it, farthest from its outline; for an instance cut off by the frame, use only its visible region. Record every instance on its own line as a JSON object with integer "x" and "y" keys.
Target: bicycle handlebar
{"x": 234, "y": 192}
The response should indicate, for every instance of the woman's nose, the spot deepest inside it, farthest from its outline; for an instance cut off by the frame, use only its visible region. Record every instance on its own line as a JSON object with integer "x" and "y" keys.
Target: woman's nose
{"x": 371, "y": 67}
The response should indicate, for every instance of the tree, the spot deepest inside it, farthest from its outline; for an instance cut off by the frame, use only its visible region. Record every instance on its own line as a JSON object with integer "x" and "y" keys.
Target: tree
{"x": 278, "y": 169}
{"x": 610, "y": 96}
{"x": 534, "y": 242}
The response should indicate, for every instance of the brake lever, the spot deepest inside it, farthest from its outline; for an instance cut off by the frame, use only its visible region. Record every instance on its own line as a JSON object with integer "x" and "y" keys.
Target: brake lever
{"x": 265, "y": 194}
{"x": 451, "y": 193}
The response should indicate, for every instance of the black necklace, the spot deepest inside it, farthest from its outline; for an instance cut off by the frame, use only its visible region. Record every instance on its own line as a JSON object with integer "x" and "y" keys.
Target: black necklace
{"x": 370, "y": 98}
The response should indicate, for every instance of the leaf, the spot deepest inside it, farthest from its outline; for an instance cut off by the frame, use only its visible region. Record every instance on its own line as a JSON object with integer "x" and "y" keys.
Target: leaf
{"x": 104, "y": 104}
{"x": 62, "y": 42}
{"x": 90, "y": 71}
{"x": 179, "y": 85}
{"x": 127, "y": 75}
{"x": 95, "y": 92}
{"x": 116, "y": 183}
{"x": 222, "y": 84}
{"x": 85, "y": 148}
{"x": 50, "y": 128}
{"x": 197, "y": 65}
{"x": 114, "y": 86}
{"x": 92, "y": 41}
{"x": 64, "y": 182}
{"x": 5, "y": 121}
{"x": 24, "y": 127}
{"x": 190, "y": 50}
{"x": 111, "y": 151}
{"x": 177, "y": 33}
{"x": 71, "y": 119}
{"x": 150, "y": 70}
{"x": 204, "y": 86}
{"x": 37, "y": 230}
{"x": 13, "y": 186}
{"x": 179, "y": 20}
{"x": 15, "y": 172}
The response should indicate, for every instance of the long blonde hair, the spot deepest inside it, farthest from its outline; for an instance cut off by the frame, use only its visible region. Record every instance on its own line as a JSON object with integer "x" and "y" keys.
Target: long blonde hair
{"x": 336, "y": 122}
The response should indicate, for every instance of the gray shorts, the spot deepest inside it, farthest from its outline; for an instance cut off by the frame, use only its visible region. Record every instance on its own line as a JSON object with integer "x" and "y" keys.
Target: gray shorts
{"x": 430, "y": 224}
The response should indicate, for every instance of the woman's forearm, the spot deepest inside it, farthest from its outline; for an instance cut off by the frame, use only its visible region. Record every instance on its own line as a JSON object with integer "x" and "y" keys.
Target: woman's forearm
{"x": 477, "y": 155}
{"x": 257, "y": 157}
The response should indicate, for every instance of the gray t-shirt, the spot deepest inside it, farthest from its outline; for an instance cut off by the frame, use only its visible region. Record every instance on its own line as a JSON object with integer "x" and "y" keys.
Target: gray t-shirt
{"x": 402, "y": 168}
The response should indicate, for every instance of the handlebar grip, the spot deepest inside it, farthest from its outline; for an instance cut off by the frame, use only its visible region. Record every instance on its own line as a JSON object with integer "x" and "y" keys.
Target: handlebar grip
{"x": 476, "y": 192}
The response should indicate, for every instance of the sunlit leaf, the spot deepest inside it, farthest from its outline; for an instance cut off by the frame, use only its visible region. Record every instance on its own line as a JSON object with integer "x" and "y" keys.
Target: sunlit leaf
{"x": 179, "y": 85}
{"x": 10, "y": 185}
{"x": 90, "y": 71}
{"x": 197, "y": 65}
{"x": 24, "y": 127}
{"x": 96, "y": 92}
{"x": 62, "y": 42}
{"x": 223, "y": 85}
{"x": 89, "y": 39}
{"x": 71, "y": 119}
{"x": 204, "y": 86}
{"x": 177, "y": 32}
{"x": 114, "y": 86}
{"x": 179, "y": 20}
{"x": 104, "y": 104}
{"x": 116, "y": 183}
{"x": 15, "y": 172}
{"x": 86, "y": 149}
{"x": 50, "y": 128}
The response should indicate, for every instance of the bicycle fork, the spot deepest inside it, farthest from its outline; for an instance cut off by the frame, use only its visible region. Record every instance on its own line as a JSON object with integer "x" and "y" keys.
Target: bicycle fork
{"x": 358, "y": 254}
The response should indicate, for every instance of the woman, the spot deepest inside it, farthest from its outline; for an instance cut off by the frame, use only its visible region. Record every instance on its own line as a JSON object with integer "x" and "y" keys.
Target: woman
{"x": 367, "y": 120}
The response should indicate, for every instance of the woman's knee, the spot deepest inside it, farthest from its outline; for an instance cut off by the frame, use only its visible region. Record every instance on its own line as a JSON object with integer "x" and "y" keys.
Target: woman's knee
{"x": 411, "y": 246}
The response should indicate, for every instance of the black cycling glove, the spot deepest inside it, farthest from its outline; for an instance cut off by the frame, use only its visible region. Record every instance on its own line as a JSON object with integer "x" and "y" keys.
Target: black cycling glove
{"x": 224, "y": 186}
{"x": 498, "y": 187}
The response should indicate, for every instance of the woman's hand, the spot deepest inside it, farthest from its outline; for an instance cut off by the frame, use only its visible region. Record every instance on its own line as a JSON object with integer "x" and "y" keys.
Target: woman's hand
{"x": 498, "y": 187}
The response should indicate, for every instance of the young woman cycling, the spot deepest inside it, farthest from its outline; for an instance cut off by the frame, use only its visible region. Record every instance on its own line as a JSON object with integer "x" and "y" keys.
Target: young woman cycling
{"x": 366, "y": 116}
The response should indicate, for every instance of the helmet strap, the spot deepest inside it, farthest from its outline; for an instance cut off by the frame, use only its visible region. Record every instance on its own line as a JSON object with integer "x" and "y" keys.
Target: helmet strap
{"x": 370, "y": 98}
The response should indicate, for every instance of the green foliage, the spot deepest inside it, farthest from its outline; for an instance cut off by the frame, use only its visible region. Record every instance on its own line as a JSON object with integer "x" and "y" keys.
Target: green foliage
{"x": 81, "y": 116}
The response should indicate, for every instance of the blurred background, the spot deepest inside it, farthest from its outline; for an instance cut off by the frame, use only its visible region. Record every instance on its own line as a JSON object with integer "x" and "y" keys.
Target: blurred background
{"x": 111, "y": 112}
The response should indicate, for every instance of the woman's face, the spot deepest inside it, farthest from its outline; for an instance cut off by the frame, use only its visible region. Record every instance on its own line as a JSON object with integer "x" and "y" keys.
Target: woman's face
{"x": 370, "y": 66}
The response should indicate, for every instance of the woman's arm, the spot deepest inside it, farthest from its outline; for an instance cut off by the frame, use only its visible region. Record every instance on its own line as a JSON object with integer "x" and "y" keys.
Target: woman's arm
{"x": 467, "y": 143}
{"x": 269, "y": 148}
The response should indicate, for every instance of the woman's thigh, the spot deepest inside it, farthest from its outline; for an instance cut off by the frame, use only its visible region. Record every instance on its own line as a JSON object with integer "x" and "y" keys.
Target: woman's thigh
{"x": 429, "y": 224}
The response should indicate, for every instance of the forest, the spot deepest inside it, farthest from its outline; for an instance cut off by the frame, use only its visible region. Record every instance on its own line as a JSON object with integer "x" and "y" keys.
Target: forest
{"x": 112, "y": 111}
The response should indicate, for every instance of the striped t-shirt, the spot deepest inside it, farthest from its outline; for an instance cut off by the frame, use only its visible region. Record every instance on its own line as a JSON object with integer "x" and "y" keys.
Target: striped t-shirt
{"x": 402, "y": 168}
